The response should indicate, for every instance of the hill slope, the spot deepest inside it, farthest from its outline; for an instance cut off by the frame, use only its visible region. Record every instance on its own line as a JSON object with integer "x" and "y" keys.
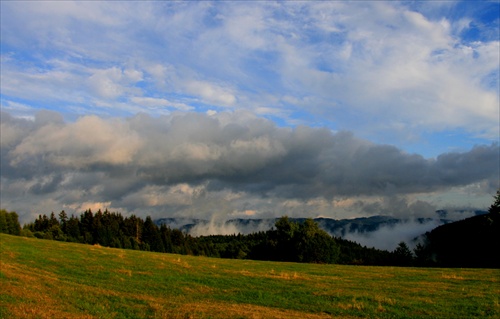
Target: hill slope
{"x": 49, "y": 279}
{"x": 472, "y": 242}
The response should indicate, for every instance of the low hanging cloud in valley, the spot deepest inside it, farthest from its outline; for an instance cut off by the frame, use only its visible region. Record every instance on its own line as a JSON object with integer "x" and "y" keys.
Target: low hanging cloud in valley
{"x": 228, "y": 164}
{"x": 387, "y": 237}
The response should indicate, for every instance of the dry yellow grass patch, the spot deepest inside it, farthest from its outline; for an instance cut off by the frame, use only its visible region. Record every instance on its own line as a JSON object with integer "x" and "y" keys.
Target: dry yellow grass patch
{"x": 198, "y": 289}
{"x": 357, "y": 305}
{"x": 290, "y": 276}
{"x": 222, "y": 310}
{"x": 28, "y": 311}
{"x": 385, "y": 300}
{"x": 452, "y": 276}
{"x": 125, "y": 271}
{"x": 180, "y": 262}
{"x": 272, "y": 274}
{"x": 35, "y": 300}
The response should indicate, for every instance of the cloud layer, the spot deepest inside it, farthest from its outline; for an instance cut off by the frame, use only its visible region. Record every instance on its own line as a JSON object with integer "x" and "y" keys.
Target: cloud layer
{"x": 393, "y": 72}
{"x": 261, "y": 108}
{"x": 236, "y": 164}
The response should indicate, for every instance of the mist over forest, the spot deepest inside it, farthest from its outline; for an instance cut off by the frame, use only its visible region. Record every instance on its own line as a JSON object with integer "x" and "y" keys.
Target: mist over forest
{"x": 381, "y": 232}
{"x": 465, "y": 243}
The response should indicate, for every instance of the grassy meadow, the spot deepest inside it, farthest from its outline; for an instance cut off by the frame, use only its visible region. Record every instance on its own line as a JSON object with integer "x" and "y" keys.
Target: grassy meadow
{"x": 49, "y": 279}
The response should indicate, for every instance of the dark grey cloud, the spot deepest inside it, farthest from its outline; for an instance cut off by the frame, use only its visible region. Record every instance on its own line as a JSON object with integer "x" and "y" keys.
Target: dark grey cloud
{"x": 183, "y": 160}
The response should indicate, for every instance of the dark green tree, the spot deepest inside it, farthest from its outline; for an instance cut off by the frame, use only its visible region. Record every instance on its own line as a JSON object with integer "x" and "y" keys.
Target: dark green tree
{"x": 9, "y": 223}
{"x": 86, "y": 226}
{"x": 42, "y": 223}
{"x": 53, "y": 220}
{"x": 286, "y": 247}
{"x": 73, "y": 229}
{"x": 98, "y": 230}
{"x": 178, "y": 242}
{"x": 3, "y": 221}
{"x": 151, "y": 236}
{"x": 314, "y": 245}
{"x": 56, "y": 233}
{"x": 495, "y": 207}
{"x": 423, "y": 255}
{"x": 112, "y": 232}
{"x": 13, "y": 225}
{"x": 132, "y": 227}
{"x": 166, "y": 236}
{"x": 63, "y": 219}
{"x": 403, "y": 255}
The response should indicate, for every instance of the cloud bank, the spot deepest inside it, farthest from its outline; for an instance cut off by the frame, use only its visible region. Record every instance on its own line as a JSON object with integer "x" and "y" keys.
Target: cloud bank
{"x": 230, "y": 164}
{"x": 420, "y": 75}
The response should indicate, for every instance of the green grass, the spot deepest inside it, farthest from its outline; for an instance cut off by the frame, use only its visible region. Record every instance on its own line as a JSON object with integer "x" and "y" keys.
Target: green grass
{"x": 48, "y": 279}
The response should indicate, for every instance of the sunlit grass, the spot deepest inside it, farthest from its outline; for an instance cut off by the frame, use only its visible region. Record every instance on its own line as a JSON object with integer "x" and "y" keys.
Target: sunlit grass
{"x": 48, "y": 279}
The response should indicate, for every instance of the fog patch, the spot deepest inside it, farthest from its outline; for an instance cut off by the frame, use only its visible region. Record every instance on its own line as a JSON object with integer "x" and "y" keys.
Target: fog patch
{"x": 214, "y": 227}
{"x": 387, "y": 237}
{"x": 230, "y": 227}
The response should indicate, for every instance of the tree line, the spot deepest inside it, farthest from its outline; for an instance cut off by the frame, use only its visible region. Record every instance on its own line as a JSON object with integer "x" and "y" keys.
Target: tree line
{"x": 466, "y": 243}
{"x": 288, "y": 240}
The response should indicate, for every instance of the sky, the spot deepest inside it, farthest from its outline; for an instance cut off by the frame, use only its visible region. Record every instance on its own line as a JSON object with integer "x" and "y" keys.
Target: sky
{"x": 251, "y": 109}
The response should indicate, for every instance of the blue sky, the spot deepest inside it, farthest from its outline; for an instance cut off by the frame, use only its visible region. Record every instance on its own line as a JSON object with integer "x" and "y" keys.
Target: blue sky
{"x": 421, "y": 77}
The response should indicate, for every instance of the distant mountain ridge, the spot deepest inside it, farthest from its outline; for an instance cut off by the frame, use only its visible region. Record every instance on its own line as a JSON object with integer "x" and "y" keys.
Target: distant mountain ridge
{"x": 337, "y": 227}
{"x": 363, "y": 224}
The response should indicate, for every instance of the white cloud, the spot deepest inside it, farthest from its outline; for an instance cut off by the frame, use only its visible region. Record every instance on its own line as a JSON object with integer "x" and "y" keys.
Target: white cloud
{"x": 211, "y": 93}
{"x": 395, "y": 71}
{"x": 369, "y": 61}
{"x": 159, "y": 103}
{"x": 84, "y": 143}
{"x": 93, "y": 206}
{"x": 105, "y": 83}
{"x": 113, "y": 82}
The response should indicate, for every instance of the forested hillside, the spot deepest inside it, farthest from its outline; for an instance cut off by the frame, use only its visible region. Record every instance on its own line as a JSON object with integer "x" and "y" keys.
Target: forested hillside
{"x": 288, "y": 241}
{"x": 473, "y": 242}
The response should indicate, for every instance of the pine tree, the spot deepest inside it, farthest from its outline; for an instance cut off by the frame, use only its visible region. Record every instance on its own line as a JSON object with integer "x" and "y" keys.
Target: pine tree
{"x": 495, "y": 207}
{"x": 63, "y": 219}
{"x": 151, "y": 236}
{"x": 86, "y": 223}
{"x": 73, "y": 229}
{"x": 403, "y": 255}
{"x": 53, "y": 220}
